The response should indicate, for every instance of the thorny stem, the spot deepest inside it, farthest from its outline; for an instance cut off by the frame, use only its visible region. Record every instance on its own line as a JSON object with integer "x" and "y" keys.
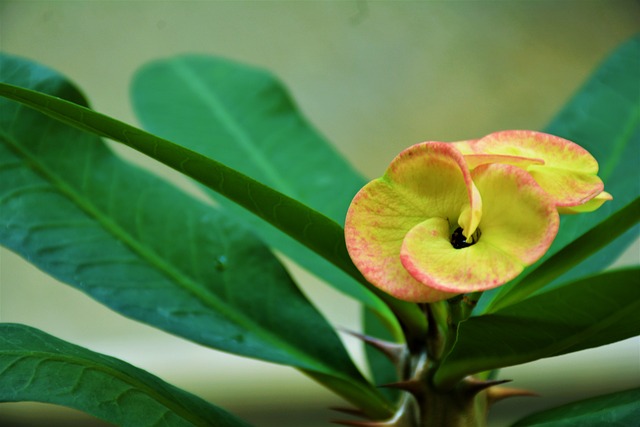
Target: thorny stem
{"x": 422, "y": 404}
{"x": 465, "y": 405}
{"x": 456, "y": 407}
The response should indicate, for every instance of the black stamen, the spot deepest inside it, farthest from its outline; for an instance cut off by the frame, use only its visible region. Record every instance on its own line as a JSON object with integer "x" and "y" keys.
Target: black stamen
{"x": 458, "y": 241}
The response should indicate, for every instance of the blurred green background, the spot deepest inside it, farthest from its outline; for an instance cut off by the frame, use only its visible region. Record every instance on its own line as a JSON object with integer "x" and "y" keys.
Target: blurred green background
{"x": 374, "y": 77}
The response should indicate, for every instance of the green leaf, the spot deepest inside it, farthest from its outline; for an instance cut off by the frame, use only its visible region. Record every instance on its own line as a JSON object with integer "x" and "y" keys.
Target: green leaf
{"x": 149, "y": 251}
{"x": 244, "y": 118}
{"x": 572, "y": 254}
{"x": 604, "y": 118}
{"x": 382, "y": 370}
{"x": 35, "y": 366}
{"x": 587, "y": 313}
{"x": 319, "y": 233}
{"x": 620, "y": 409}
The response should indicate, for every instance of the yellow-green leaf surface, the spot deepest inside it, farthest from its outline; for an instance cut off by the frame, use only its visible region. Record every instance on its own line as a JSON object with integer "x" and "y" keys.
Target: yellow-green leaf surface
{"x": 149, "y": 251}
{"x": 587, "y": 313}
{"x": 35, "y": 366}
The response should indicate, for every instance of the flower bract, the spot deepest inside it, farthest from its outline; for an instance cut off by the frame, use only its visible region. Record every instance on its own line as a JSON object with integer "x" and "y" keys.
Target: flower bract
{"x": 432, "y": 227}
{"x": 562, "y": 168}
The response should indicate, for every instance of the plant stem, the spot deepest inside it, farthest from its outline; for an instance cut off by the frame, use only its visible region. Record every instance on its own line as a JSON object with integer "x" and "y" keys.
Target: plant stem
{"x": 465, "y": 404}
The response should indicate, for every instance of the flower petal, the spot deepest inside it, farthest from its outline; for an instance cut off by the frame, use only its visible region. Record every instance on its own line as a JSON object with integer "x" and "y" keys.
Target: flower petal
{"x": 427, "y": 254}
{"x": 427, "y": 180}
{"x": 555, "y": 151}
{"x": 465, "y": 147}
{"x": 568, "y": 188}
{"x": 435, "y": 178}
{"x": 589, "y": 206}
{"x": 562, "y": 159}
{"x": 475, "y": 160}
{"x": 519, "y": 222}
{"x": 519, "y": 216}
{"x": 376, "y": 224}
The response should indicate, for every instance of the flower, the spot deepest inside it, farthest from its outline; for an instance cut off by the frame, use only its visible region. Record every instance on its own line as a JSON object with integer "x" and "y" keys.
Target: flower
{"x": 562, "y": 168}
{"x": 440, "y": 223}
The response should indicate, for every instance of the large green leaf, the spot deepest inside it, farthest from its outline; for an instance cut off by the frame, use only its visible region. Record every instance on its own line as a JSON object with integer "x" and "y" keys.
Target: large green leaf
{"x": 243, "y": 117}
{"x": 587, "y": 313}
{"x": 149, "y": 251}
{"x": 319, "y": 233}
{"x": 572, "y": 254}
{"x": 620, "y": 409}
{"x": 35, "y": 366}
{"x": 604, "y": 118}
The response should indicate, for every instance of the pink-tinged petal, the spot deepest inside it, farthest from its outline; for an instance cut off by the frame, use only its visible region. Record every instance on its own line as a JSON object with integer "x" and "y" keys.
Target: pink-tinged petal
{"x": 555, "y": 151}
{"x": 568, "y": 188}
{"x": 427, "y": 180}
{"x": 465, "y": 147}
{"x": 589, "y": 206}
{"x": 475, "y": 160}
{"x": 435, "y": 177}
{"x": 519, "y": 222}
{"x": 557, "y": 154}
{"x": 519, "y": 216}
{"x": 376, "y": 224}
{"x": 427, "y": 254}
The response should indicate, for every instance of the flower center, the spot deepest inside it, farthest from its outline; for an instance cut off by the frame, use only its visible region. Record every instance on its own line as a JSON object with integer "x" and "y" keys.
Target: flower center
{"x": 458, "y": 241}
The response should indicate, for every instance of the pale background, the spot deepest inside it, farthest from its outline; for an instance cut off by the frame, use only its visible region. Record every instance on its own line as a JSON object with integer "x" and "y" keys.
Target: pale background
{"x": 374, "y": 77}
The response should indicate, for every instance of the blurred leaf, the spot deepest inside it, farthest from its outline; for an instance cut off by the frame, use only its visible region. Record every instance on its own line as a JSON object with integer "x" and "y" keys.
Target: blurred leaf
{"x": 317, "y": 232}
{"x": 604, "y": 118}
{"x": 35, "y": 366}
{"x": 621, "y": 409}
{"x": 243, "y": 117}
{"x": 149, "y": 251}
{"x": 587, "y": 313}
{"x": 573, "y": 253}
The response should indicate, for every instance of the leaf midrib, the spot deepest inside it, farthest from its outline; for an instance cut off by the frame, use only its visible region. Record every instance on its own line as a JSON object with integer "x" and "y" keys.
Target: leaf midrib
{"x": 157, "y": 262}
{"x": 213, "y": 103}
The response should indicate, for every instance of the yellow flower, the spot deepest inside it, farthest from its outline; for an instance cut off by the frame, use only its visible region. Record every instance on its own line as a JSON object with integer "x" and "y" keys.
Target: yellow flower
{"x": 562, "y": 168}
{"x": 431, "y": 228}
